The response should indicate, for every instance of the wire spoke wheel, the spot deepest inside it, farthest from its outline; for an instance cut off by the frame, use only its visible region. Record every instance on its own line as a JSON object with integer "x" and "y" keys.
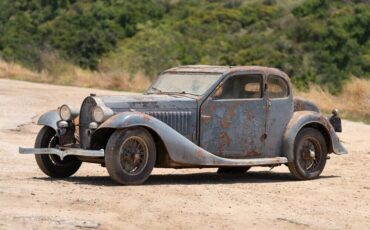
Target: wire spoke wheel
{"x": 130, "y": 155}
{"x": 133, "y": 155}
{"x": 310, "y": 152}
{"x": 310, "y": 155}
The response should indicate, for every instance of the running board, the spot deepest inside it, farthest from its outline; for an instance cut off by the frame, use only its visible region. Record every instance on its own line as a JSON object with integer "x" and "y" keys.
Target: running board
{"x": 249, "y": 162}
{"x": 63, "y": 153}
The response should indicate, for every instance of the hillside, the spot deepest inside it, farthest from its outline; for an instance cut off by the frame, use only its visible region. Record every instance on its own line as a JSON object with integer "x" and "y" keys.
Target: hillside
{"x": 315, "y": 41}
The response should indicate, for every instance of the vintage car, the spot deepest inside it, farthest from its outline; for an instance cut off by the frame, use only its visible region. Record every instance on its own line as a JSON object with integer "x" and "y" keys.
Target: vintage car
{"x": 230, "y": 118}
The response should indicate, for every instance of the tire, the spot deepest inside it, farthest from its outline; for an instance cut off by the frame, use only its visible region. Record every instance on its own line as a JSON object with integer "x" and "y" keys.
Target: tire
{"x": 51, "y": 164}
{"x": 310, "y": 153}
{"x": 130, "y": 156}
{"x": 232, "y": 170}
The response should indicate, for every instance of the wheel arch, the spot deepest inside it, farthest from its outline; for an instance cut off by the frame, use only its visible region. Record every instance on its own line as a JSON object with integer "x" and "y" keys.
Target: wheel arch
{"x": 303, "y": 119}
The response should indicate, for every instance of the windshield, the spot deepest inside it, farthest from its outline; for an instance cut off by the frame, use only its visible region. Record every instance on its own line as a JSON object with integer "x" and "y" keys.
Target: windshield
{"x": 185, "y": 83}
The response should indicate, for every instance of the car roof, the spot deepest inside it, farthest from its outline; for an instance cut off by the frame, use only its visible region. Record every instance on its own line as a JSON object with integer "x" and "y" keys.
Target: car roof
{"x": 226, "y": 69}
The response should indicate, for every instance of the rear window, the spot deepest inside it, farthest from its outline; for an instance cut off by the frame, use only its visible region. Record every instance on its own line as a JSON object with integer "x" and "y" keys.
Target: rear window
{"x": 277, "y": 87}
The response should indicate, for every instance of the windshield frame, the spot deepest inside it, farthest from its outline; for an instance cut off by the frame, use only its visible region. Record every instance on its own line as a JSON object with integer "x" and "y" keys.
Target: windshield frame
{"x": 151, "y": 89}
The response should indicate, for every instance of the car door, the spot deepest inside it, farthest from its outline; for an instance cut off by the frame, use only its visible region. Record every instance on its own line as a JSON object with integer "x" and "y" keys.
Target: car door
{"x": 232, "y": 119}
{"x": 279, "y": 112}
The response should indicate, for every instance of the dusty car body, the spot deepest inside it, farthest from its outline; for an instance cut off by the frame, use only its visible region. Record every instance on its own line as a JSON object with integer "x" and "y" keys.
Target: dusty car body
{"x": 231, "y": 118}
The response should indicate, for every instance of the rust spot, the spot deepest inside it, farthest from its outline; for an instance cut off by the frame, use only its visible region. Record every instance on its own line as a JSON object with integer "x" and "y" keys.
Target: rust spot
{"x": 199, "y": 153}
{"x": 231, "y": 113}
{"x": 299, "y": 105}
{"x": 224, "y": 123}
{"x": 224, "y": 141}
{"x": 251, "y": 154}
{"x": 250, "y": 116}
{"x": 212, "y": 108}
{"x": 147, "y": 117}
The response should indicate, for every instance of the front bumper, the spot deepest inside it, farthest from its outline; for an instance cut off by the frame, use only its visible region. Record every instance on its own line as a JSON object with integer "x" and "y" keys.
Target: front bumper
{"x": 63, "y": 152}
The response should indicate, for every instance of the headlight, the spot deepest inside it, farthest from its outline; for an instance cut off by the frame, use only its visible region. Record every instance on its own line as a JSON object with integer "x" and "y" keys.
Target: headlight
{"x": 67, "y": 113}
{"x": 100, "y": 114}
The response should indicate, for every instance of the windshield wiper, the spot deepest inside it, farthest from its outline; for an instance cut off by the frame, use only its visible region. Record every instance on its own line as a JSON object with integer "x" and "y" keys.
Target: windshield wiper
{"x": 184, "y": 92}
{"x": 156, "y": 90}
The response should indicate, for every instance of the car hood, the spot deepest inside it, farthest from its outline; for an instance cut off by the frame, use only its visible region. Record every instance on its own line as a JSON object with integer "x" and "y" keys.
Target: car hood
{"x": 148, "y": 102}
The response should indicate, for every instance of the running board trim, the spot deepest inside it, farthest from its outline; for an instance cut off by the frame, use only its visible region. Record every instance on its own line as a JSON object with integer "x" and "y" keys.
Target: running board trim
{"x": 63, "y": 153}
{"x": 249, "y": 162}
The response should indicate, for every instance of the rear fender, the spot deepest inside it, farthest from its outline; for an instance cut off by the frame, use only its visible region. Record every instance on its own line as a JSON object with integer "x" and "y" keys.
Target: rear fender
{"x": 50, "y": 119}
{"x": 301, "y": 119}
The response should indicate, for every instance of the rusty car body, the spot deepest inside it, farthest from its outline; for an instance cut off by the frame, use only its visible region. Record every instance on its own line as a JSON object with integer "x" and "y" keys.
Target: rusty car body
{"x": 231, "y": 118}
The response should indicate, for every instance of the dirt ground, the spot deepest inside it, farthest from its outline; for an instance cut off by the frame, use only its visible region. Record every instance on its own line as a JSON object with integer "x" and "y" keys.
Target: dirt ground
{"x": 171, "y": 199}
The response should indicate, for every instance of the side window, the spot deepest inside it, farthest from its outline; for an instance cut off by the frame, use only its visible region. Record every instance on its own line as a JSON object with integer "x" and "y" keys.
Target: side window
{"x": 277, "y": 87}
{"x": 240, "y": 87}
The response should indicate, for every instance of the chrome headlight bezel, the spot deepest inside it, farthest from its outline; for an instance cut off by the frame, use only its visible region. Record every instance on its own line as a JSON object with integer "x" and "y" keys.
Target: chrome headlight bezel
{"x": 101, "y": 113}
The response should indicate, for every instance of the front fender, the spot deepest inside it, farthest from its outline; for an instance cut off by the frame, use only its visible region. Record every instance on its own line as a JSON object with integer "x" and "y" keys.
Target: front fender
{"x": 50, "y": 119}
{"x": 301, "y": 119}
{"x": 179, "y": 148}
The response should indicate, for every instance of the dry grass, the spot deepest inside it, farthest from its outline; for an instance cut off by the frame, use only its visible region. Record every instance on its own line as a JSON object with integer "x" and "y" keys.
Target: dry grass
{"x": 63, "y": 73}
{"x": 15, "y": 71}
{"x": 353, "y": 102}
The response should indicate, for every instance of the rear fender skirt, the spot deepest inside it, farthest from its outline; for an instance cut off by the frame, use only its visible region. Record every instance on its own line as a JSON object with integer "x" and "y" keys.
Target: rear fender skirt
{"x": 50, "y": 119}
{"x": 299, "y": 120}
{"x": 180, "y": 149}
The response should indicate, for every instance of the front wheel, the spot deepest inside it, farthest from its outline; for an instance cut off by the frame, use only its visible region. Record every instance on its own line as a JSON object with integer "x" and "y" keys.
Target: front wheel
{"x": 51, "y": 164}
{"x": 310, "y": 153}
{"x": 130, "y": 156}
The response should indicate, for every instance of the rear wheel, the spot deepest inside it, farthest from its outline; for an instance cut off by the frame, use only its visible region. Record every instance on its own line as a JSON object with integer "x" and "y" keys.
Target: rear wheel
{"x": 51, "y": 164}
{"x": 310, "y": 153}
{"x": 130, "y": 156}
{"x": 232, "y": 170}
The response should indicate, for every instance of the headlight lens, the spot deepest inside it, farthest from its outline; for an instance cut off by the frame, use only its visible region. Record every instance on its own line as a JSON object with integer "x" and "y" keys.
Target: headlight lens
{"x": 65, "y": 112}
{"x": 98, "y": 114}
{"x": 101, "y": 113}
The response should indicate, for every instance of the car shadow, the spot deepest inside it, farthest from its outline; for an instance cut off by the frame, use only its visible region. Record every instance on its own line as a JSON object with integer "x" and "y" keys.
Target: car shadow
{"x": 189, "y": 179}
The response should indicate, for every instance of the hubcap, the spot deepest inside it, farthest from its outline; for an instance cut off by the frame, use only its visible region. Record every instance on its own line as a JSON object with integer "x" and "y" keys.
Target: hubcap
{"x": 133, "y": 155}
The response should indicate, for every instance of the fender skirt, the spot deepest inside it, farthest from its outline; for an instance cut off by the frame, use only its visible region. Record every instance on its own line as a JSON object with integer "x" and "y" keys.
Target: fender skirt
{"x": 50, "y": 119}
{"x": 179, "y": 148}
{"x": 301, "y": 119}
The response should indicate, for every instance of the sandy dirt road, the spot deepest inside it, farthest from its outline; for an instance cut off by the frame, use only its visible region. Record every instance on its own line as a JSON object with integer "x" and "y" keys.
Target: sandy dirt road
{"x": 171, "y": 199}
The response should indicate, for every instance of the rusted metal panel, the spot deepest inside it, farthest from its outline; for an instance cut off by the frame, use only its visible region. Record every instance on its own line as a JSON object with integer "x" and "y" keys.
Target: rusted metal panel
{"x": 233, "y": 128}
